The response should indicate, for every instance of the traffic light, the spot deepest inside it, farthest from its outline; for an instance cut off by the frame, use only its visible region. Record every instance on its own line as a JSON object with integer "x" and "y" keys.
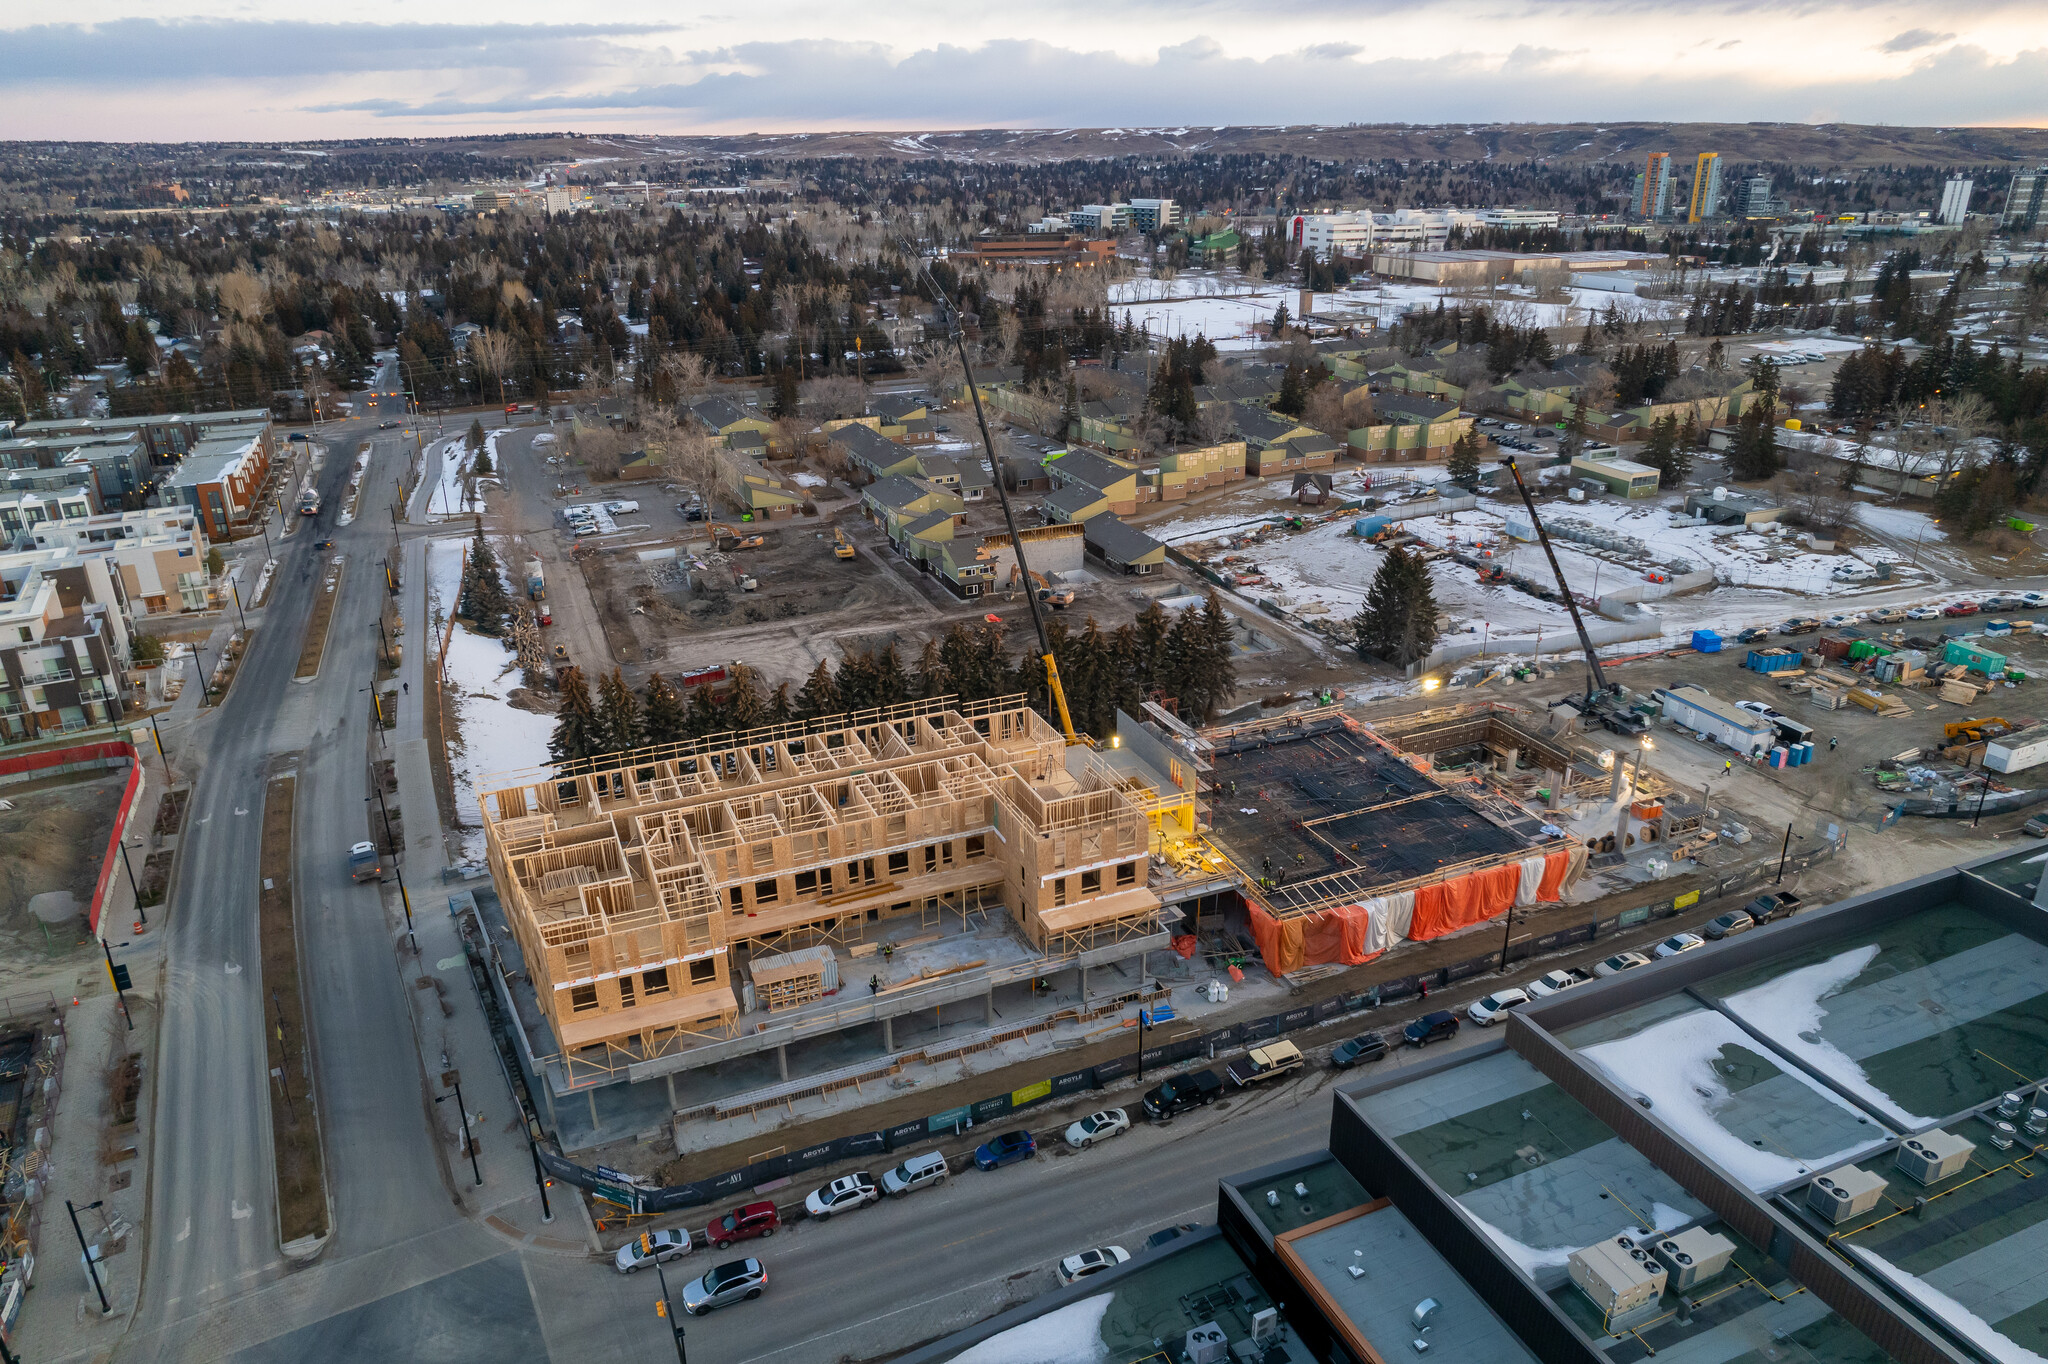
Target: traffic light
{"x": 661, "y": 1307}
{"x": 646, "y": 1244}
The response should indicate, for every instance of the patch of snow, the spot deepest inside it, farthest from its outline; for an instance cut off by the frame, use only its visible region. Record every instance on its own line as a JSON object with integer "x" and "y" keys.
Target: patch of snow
{"x": 1972, "y": 1327}
{"x": 455, "y": 493}
{"x": 1672, "y": 1064}
{"x": 1532, "y": 1260}
{"x": 1066, "y": 1335}
{"x": 1899, "y": 522}
{"x": 490, "y": 734}
{"x": 806, "y": 480}
{"x": 1789, "y": 1010}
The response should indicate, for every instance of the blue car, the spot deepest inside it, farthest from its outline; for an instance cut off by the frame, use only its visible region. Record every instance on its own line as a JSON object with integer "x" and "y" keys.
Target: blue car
{"x": 1007, "y": 1149}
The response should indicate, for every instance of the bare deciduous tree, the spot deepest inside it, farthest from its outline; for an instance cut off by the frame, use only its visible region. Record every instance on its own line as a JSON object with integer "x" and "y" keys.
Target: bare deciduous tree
{"x": 488, "y": 351}
{"x": 835, "y": 395}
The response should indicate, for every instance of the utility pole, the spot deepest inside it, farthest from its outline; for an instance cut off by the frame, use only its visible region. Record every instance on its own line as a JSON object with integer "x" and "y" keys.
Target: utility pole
{"x": 118, "y": 975}
{"x": 467, "y": 1140}
{"x": 403, "y": 898}
{"x": 132, "y": 884}
{"x": 541, "y": 1180}
{"x": 667, "y": 1312}
{"x": 1784, "y": 853}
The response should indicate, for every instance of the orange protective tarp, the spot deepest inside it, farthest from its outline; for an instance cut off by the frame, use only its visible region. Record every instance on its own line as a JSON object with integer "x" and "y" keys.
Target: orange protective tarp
{"x": 1554, "y": 866}
{"x": 1462, "y": 901}
{"x": 1336, "y": 935}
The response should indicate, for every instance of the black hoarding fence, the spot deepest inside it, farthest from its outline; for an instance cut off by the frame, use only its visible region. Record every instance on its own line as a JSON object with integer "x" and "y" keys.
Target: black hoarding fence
{"x": 1153, "y": 1056}
{"x": 905, "y": 1133}
{"x": 1185, "y": 1049}
{"x": 1223, "y": 1037}
{"x": 990, "y": 1108}
{"x": 1330, "y": 1008}
{"x": 678, "y": 1196}
{"x": 1399, "y": 989}
{"x": 1259, "y": 1029}
{"x": 860, "y": 1144}
{"x": 1113, "y": 1069}
{"x": 1471, "y": 966}
{"x": 1293, "y": 1019}
{"x": 1073, "y": 1082}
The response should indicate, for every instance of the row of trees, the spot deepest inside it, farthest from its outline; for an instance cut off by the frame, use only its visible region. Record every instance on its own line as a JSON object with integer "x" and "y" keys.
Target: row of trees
{"x": 1184, "y": 657}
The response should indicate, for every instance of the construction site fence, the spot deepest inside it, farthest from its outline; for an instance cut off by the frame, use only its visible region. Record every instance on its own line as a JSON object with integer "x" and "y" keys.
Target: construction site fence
{"x": 635, "y": 1197}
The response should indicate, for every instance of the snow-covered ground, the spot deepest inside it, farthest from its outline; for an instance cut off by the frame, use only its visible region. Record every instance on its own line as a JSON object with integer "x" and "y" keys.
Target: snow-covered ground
{"x": 1231, "y": 320}
{"x": 490, "y": 733}
{"x": 1066, "y": 1335}
{"x": 456, "y": 494}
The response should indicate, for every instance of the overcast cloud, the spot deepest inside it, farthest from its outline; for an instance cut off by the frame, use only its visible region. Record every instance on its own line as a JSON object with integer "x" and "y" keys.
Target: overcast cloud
{"x": 1206, "y": 62}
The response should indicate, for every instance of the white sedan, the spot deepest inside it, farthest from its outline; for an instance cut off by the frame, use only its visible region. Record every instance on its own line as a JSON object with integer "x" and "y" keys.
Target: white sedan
{"x": 842, "y": 1195}
{"x": 1681, "y": 942}
{"x": 1619, "y": 962}
{"x": 1078, "y": 1267}
{"x": 1924, "y": 613}
{"x": 1097, "y": 1127}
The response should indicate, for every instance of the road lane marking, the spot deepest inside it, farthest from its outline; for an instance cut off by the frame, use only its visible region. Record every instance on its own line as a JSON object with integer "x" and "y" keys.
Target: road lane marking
{"x": 234, "y": 968}
{"x": 187, "y": 1231}
{"x": 238, "y": 1210}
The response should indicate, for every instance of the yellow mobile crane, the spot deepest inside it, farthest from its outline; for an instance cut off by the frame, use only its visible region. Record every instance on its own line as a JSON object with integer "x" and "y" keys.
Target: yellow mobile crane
{"x": 1052, "y": 668}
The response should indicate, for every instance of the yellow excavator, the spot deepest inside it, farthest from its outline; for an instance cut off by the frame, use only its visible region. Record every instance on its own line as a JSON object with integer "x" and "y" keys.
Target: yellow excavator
{"x": 1976, "y": 731}
{"x": 1059, "y": 599}
{"x": 995, "y": 465}
{"x": 842, "y": 548}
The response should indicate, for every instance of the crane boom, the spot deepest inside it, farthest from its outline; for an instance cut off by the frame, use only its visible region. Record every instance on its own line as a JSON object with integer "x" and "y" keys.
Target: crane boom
{"x": 1596, "y": 682}
{"x": 1045, "y": 658}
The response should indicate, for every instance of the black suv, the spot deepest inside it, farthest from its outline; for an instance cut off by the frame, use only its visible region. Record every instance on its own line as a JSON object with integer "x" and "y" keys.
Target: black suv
{"x": 1431, "y": 1028}
{"x": 1360, "y": 1050}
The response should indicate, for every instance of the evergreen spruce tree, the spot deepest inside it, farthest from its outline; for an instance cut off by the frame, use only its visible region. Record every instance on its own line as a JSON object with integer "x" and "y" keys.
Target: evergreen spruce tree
{"x": 856, "y": 679}
{"x": 575, "y": 720}
{"x": 785, "y": 401}
{"x": 781, "y": 710}
{"x": 1574, "y": 438}
{"x": 744, "y": 706}
{"x": 1215, "y": 637}
{"x": 930, "y": 678}
{"x": 1667, "y": 453}
{"x": 1070, "y": 412}
{"x": 481, "y": 465}
{"x": 1293, "y": 392}
{"x": 704, "y": 715}
{"x": 1398, "y": 623}
{"x": 617, "y": 728}
{"x": 662, "y": 713}
{"x": 1754, "y": 453}
{"x": 474, "y": 437}
{"x": 892, "y": 684}
{"x": 1463, "y": 462}
{"x": 483, "y": 587}
{"x": 819, "y": 695}
{"x": 1149, "y": 645}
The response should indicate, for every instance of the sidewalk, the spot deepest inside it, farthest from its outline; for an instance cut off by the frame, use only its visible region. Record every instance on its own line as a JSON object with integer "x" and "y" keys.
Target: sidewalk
{"x": 454, "y": 1035}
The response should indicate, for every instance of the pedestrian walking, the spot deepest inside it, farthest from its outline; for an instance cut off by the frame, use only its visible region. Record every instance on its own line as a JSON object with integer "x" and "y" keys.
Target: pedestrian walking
{"x": 1831, "y": 743}
{"x": 874, "y": 985}
{"x": 1727, "y": 767}
{"x": 406, "y": 687}
{"x": 1425, "y": 989}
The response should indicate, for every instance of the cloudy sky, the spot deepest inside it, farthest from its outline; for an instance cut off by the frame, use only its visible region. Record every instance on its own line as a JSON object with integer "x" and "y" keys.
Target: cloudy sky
{"x": 268, "y": 69}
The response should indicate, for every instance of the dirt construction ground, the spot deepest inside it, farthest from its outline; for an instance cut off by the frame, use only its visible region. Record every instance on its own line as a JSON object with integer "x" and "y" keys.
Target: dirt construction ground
{"x": 51, "y": 839}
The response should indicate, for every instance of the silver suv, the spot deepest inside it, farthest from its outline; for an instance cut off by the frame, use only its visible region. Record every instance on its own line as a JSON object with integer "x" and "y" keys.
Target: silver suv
{"x": 725, "y": 1284}
{"x": 915, "y": 1173}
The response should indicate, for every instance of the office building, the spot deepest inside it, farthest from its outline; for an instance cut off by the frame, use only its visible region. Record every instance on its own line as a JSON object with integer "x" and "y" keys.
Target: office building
{"x": 1100, "y": 218}
{"x": 1753, "y": 198}
{"x": 1357, "y": 235}
{"x": 1706, "y": 188}
{"x": 1655, "y": 199}
{"x": 1154, "y": 215}
{"x": 2026, "y": 198}
{"x": 1955, "y": 201}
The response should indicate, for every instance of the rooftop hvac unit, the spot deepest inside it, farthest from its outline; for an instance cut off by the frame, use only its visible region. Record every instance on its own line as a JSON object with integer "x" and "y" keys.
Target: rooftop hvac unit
{"x": 1207, "y": 1344}
{"x": 1842, "y": 1194}
{"x": 2009, "y": 1105}
{"x": 1424, "y": 1313}
{"x": 1694, "y": 1256}
{"x": 2002, "y": 1135}
{"x": 1617, "y": 1274}
{"x": 1265, "y": 1326}
{"x": 1934, "y": 1156}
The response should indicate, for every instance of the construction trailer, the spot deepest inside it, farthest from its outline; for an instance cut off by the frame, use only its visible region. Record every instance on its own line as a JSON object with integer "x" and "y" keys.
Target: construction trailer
{"x": 1744, "y": 731}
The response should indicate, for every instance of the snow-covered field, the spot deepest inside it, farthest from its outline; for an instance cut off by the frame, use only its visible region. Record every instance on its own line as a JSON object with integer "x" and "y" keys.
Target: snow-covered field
{"x": 490, "y": 733}
{"x": 456, "y": 494}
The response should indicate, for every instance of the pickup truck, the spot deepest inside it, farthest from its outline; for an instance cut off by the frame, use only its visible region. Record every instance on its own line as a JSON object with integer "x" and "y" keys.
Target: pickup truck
{"x": 1263, "y": 1063}
{"x": 1182, "y": 1093}
{"x": 365, "y": 863}
{"x": 1775, "y": 905}
{"x": 1557, "y": 982}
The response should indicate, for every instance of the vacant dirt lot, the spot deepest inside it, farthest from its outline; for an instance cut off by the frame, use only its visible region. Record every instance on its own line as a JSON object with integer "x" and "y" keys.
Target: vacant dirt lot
{"x": 51, "y": 840}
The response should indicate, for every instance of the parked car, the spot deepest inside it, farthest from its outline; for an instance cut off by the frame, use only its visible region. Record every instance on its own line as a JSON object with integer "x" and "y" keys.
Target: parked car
{"x": 1166, "y": 1234}
{"x": 1492, "y": 1009}
{"x": 2030, "y": 600}
{"x": 1728, "y": 925}
{"x": 1960, "y": 608}
{"x": 1096, "y": 1127}
{"x": 2037, "y": 826}
{"x": 1887, "y": 615}
{"x": 1183, "y": 1092}
{"x": 1679, "y": 942}
{"x": 1752, "y": 635}
{"x": 1841, "y": 618}
{"x": 1924, "y": 613}
{"x": 729, "y": 1283}
{"x": 1361, "y": 1050}
{"x": 914, "y": 1173}
{"x": 743, "y": 1224}
{"x": 1619, "y": 962}
{"x": 1799, "y": 625}
{"x": 1432, "y": 1027}
{"x": 1261, "y": 1064}
{"x": 651, "y": 1247}
{"x": 1762, "y": 708}
{"x": 1556, "y": 982}
{"x": 1775, "y": 905}
{"x": 1007, "y": 1149}
{"x": 843, "y": 1194}
{"x": 2002, "y": 602}
{"x": 1077, "y": 1267}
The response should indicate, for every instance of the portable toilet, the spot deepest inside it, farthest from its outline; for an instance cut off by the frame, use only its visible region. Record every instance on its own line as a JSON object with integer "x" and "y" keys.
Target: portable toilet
{"x": 1706, "y": 642}
{"x": 1778, "y": 756}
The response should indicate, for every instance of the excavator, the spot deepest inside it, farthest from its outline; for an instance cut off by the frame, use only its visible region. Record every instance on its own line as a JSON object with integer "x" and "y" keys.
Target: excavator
{"x": 1976, "y": 731}
{"x": 842, "y": 548}
{"x": 1603, "y": 699}
{"x": 988, "y": 444}
{"x": 1059, "y": 599}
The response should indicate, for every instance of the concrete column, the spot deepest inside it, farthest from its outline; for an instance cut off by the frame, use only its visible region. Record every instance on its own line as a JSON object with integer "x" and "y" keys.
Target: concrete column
{"x": 592, "y": 1096}
{"x": 1555, "y": 781}
{"x": 782, "y": 1059}
{"x": 888, "y": 1034}
{"x": 988, "y": 1006}
{"x": 1084, "y": 984}
{"x": 1508, "y": 758}
{"x": 671, "y": 1078}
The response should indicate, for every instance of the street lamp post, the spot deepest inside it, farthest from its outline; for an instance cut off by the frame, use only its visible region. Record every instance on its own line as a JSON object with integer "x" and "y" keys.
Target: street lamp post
{"x": 132, "y": 885}
{"x": 92, "y": 1264}
{"x": 236, "y": 592}
{"x": 540, "y": 1179}
{"x": 467, "y": 1140}
{"x": 119, "y": 992}
{"x": 667, "y": 1312}
{"x": 1784, "y": 853}
{"x": 378, "y": 702}
{"x": 404, "y": 899}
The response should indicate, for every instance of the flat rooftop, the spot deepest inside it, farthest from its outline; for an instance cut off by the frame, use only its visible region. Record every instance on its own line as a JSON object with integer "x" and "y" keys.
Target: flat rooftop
{"x": 1333, "y": 800}
{"x": 1376, "y": 1266}
{"x": 1756, "y": 1114}
{"x": 1975, "y": 1257}
{"x": 1540, "y": 1174}
{"x": 1331, "y": 1190}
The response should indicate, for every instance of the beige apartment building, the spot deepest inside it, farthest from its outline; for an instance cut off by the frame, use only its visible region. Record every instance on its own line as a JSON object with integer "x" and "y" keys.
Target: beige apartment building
{"x": 657, "y": 896}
